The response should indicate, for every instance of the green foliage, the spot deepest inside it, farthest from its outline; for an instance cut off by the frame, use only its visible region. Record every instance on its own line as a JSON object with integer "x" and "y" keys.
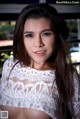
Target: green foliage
{"x": 6, "y": 31}
{"x": 7, "y": 28}
{"x": 5, "y": 55}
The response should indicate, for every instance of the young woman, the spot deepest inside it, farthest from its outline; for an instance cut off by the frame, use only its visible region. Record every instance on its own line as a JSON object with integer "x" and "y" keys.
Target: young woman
{"x": 40, "y": 81}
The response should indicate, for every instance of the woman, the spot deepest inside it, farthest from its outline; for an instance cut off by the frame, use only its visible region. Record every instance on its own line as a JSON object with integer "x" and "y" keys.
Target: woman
{"x": 40, "y": 81}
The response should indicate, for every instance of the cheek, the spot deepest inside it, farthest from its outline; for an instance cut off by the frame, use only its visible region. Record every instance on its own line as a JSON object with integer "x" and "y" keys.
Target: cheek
{"x": 27, "y": 45}
{"x": 51, "y": 45}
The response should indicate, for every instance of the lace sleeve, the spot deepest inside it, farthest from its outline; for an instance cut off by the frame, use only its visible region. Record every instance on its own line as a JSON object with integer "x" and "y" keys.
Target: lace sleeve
{"x": 5, "y": 72}
{"x": 3, "y": 78}
{"x": 76, "y": 99}
{"x": 6, "y": 68}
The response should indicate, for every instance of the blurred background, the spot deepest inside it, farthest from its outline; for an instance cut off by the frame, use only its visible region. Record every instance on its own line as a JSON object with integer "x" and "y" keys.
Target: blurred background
{"x": 9, "y": 10}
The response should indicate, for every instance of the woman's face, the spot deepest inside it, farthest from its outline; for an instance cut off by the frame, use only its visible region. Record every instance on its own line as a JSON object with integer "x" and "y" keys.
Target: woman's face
{"x": 39, "y": 40}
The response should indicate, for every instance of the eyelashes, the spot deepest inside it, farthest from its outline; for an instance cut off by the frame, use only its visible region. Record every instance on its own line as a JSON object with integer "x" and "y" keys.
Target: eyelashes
{"x": 47, "y": 34}
{"x": 29, "y": 35}
{"x": 44, "y": 34}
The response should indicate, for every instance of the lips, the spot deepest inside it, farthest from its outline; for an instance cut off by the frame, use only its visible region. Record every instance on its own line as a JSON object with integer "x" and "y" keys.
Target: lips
{"x": 40, "y": 53}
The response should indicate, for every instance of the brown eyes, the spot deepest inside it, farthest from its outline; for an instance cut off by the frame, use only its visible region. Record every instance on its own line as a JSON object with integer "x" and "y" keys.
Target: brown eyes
{"x": 47, "y": 34}
{"x": 44, "y": 34}
{"x": 29, "y": 35}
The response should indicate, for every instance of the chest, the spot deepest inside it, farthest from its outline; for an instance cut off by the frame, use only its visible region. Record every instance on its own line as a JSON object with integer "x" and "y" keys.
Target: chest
{"x": 24, "y": 113}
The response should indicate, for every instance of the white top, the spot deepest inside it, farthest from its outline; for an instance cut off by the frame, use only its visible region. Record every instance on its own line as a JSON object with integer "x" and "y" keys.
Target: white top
{"x": 30, "y": 88}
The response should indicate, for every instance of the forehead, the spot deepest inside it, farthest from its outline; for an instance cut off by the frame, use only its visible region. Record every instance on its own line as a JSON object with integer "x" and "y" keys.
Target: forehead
{"x": 32, "y": 23}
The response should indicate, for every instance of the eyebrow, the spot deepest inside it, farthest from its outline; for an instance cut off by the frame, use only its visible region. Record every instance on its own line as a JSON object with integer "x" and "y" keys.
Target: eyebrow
{"x": 28, "y": 32}
{"x": 41, "y": 31}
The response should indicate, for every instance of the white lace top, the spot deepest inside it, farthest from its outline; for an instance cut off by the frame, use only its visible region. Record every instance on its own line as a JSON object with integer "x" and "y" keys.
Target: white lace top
{"x": 31, "y": 88}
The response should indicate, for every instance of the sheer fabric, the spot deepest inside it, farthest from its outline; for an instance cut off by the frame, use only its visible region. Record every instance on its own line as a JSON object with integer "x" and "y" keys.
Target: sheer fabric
{"x": 30, "y": 88}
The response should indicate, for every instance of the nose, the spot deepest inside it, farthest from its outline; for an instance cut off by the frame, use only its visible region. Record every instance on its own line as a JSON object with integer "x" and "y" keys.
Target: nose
{"x": 39, "y": 42}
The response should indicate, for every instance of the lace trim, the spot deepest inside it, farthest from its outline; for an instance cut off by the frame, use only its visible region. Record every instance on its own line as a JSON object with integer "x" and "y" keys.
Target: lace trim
{"x": 19, "y": 88}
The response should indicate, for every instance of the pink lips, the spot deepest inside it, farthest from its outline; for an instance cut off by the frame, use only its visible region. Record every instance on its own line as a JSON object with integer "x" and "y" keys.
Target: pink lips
{"x": 40, "y": 53}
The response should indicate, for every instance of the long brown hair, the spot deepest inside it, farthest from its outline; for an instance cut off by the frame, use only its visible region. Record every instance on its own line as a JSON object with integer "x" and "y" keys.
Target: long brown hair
{"x": 60, "y": 56}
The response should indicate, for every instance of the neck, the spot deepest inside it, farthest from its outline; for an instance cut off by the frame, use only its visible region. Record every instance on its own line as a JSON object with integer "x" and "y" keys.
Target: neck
{"x": 44, "y": 66}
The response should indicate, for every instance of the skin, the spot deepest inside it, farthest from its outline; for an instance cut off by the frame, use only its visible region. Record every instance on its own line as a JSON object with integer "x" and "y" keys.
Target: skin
{"x": 24, "y": 113}
{"x": 39, "y": 41}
